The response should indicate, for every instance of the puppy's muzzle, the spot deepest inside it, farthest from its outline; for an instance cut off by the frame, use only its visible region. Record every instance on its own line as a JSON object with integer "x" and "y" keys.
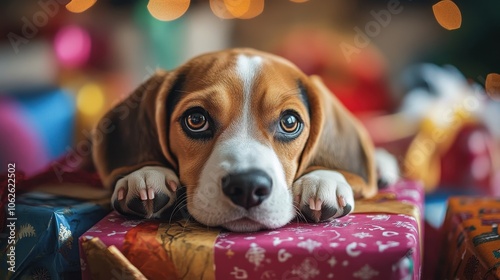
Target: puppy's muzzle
{"x": 247, "y": 189}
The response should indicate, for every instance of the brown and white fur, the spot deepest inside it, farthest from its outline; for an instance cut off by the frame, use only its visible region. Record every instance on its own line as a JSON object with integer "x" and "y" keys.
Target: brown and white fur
{"x": 251, "y": 138}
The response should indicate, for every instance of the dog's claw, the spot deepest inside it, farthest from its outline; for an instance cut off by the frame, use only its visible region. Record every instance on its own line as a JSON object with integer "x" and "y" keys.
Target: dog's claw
{"x": 121, "y": 193}
{"x": 173, "y": 186}
{"x": 312, "y": 204}
{"x": 315, "y": 204}
{"x": 151, "y": 193}
{"x": 143, "y": 194}
{"x": 342, "y": 202}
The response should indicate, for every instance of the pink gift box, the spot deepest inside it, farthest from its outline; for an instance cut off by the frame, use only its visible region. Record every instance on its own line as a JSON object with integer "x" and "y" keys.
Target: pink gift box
{"x": 358, "y": 246}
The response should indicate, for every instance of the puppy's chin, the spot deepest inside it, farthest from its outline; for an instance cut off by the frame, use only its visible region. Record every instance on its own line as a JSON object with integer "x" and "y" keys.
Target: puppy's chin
{"x": 243, "y": 225}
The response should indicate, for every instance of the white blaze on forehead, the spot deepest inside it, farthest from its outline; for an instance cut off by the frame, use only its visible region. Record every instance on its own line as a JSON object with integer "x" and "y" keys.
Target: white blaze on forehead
{"x": 247, "y": 67}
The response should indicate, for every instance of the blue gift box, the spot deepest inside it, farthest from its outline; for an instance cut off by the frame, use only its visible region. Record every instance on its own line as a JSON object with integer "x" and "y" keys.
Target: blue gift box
{"x": 46, "y": 234}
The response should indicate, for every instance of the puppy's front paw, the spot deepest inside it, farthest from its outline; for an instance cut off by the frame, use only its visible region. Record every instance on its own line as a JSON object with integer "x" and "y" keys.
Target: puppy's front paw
{"x": 146, "y": 192}
{"x": 323, "y": 194}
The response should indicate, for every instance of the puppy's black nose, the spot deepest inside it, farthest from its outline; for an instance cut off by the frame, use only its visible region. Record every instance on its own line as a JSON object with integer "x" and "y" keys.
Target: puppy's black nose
{"x": 247, "y": 189}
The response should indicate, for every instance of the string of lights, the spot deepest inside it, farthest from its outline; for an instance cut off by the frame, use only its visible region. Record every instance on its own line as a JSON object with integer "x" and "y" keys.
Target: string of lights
{"x": 168, "y": 10}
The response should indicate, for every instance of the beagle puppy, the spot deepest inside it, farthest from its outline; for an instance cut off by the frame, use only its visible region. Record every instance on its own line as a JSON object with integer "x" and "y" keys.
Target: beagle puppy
{"x": 252, "y": 139}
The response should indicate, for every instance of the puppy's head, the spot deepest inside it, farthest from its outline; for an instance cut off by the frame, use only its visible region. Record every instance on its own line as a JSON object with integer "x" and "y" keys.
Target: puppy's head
{"x": 240, "y": 126}
{"x": 237, "y": 125}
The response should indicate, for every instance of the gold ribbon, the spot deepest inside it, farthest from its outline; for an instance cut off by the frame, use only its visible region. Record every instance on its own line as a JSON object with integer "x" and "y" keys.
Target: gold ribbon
{"x": 437, "y": 133}
{"x": 192, "y": 241}
{"x": 108, "y": 262}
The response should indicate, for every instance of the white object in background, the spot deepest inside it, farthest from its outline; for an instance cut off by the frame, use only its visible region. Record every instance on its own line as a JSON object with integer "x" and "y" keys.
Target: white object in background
{"x": 32, "y": 67}
{"x": 205, "y": 32}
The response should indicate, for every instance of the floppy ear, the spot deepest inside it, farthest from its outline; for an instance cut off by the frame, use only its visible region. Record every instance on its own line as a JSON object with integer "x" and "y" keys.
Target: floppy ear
{"x": 337, "y": 141}
{"x": 134, "y": 133}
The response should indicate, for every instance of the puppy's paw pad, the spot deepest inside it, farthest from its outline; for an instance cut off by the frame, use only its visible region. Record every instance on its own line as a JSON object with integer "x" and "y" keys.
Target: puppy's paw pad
{"x": 318, "y": 215}
{"x": 323, "y": 195}
{"x": 146, "y": 192}
{"x": 160, "y": 201}
{"x": 137, "y": 205}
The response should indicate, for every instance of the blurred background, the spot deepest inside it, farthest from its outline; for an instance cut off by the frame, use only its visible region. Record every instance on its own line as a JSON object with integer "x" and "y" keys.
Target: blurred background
{"x": 413, "y": 71}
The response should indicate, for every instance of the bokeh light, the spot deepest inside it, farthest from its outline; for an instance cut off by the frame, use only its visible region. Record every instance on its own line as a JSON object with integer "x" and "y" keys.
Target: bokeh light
{"x": 90, "y": 99}
{"x": 242, "y": 9}
{"x": 447, "y": 14}
{"x": 299, "y": 1}
{"x": 167, "y": 10}
{"x": 492, "y": 86}
{"x": 72, "y": 46}
{"x": 80, "y": 6}
{"x": 237, "y": 8}
{"x": 256, "y": 8}
{"x": 219, "y": 9}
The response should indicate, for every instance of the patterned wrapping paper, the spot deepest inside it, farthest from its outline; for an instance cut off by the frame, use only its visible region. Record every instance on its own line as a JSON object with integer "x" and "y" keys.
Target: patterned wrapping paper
{"x": 384, "y": 244}
{"x": 472, "y": 249}
{"x": 47, "y": 230}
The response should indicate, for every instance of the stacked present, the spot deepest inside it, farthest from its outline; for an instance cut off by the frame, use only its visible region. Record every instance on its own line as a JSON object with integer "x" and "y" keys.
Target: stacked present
{"x": 381, "y": 240}
{"x": 47, "y": 228}
{"x": 472, "y": 242}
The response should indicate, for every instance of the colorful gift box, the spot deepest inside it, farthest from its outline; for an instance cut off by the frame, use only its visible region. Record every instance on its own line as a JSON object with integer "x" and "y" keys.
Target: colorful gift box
{"x": 46, "y": 232}
{"x": 472, "y": 248}
{"x": 383, "y": 244}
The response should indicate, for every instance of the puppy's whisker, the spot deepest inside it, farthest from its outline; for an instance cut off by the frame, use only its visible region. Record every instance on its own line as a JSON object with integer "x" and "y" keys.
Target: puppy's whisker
{"x": 180, "y": 204}
{"x": 185, "y": 225}
{"x": 174, "y": 212}
{"x": 299, "y": 215}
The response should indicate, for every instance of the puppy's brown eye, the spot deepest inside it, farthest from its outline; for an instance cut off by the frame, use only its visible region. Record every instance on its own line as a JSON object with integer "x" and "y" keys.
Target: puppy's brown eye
{"x": 196, "y": 122}
{"x": 289, "y": 123}
{"x": 290, "y": 126}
